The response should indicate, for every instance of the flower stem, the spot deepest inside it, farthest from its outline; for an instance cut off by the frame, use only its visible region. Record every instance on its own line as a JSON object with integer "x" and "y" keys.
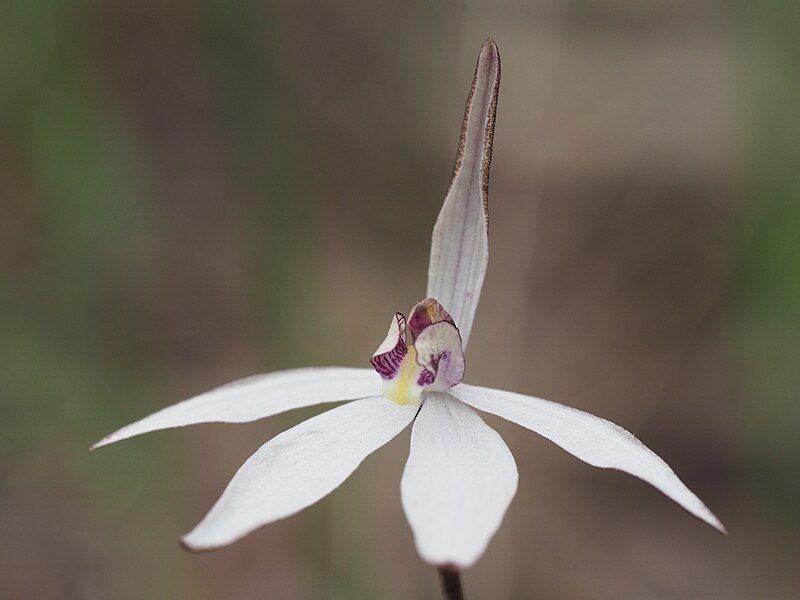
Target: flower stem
{"x": 451, "y": 584}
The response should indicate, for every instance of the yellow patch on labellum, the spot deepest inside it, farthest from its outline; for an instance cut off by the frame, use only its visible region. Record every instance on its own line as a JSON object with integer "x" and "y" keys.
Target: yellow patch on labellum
{"x": 404, "y": 388}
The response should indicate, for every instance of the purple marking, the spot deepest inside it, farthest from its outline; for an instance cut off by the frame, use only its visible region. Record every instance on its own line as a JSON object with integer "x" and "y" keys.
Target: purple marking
{"x": 425, "y": 378}
{"x": 388, "y": 363}
{"x": 444, "y": 359}
{"x": 426, "y": 313}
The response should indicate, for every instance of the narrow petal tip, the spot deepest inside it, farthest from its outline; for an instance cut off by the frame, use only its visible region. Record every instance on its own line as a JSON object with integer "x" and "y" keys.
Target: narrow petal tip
{"x": 100, "y": 443}
{"x": 489, "y": 48}
{"x": 715, "y": 523}
{"x": 187, "y": 547}
{"x": 194, "y": 548}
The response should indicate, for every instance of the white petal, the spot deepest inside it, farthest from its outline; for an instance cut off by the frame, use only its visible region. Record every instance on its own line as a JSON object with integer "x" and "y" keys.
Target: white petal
{"x": 460, "y": 245}
{"x": 299, "y": 467}
{"x": 258, "y": 397}
{"x": 459, "y": 480}
{"x": 594, "y": 440}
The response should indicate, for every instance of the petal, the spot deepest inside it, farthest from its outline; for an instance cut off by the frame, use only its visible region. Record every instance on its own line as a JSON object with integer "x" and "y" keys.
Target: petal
{"x": 424, "y": 314}
{"x": 297, "y": 468}
{"x": 439, "y": 351}
{"x": 258, "y": 397}
{"x": 460, "y": 246}
{"x": 459, "y": 480}
{"x": 389, "y": 355}
{"x": 594, "y": 440}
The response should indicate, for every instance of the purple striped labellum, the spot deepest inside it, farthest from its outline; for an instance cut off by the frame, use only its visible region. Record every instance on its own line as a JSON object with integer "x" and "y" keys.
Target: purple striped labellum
{"x": 422, "y": 354}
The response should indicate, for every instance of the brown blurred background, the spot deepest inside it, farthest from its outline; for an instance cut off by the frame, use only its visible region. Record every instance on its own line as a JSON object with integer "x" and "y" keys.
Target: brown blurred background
{"x": 192, "y": 192}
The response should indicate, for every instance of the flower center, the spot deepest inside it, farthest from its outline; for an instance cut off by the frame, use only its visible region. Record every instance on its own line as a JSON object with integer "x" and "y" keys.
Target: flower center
{"x": 422, "y": 354}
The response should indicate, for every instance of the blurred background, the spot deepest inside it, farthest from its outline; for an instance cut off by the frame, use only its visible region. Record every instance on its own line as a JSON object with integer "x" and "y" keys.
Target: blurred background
{"x": 192, "y": 192}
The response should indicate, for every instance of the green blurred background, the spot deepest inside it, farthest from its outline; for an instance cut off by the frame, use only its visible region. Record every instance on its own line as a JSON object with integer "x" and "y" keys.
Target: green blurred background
{"x": 191, "y": 192}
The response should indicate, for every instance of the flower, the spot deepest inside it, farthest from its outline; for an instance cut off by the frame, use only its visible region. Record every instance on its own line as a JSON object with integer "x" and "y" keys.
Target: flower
{"x": 460, "y": 476}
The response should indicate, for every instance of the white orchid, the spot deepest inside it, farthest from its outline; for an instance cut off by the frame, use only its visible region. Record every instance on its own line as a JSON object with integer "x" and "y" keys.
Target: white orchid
{"x": 460, "y": 476}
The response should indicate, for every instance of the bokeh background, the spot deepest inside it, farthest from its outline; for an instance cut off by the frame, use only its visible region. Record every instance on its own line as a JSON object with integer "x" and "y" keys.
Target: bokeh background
{"x": 191, "y": 192}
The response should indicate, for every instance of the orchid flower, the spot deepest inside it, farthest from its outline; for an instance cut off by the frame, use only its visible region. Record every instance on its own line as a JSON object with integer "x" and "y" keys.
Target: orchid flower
{"x": 460, "y": 476}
